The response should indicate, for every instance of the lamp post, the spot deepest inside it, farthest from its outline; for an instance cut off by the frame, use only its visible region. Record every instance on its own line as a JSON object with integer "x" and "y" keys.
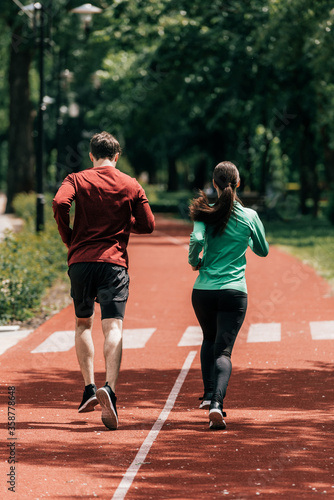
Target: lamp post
{"x": 86, "y": 11}
{"x": 40, "y": 138}
{"x": 37, "y": 9}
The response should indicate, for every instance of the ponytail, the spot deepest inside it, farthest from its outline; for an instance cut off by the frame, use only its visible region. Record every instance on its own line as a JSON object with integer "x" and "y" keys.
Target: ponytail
{"x": 226, "y": 177}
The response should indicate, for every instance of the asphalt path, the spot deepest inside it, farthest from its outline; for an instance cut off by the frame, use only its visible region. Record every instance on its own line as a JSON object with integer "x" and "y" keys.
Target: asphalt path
{"x": 279, "y": 437}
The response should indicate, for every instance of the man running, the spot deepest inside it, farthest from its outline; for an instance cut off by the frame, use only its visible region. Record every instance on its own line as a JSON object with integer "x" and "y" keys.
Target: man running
{"x": 109, "y": 205}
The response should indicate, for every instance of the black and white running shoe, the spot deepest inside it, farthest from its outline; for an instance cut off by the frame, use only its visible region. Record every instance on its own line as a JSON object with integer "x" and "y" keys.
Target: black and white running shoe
{"x": 107, "y": 399}
{"x": 89, "y": 400}
{"x": 216, "y": 416}
{"x": 205, "y": 401}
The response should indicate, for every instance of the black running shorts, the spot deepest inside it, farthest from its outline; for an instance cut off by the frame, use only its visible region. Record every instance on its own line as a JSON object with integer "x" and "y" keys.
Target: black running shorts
{"x": 103, "y": 282}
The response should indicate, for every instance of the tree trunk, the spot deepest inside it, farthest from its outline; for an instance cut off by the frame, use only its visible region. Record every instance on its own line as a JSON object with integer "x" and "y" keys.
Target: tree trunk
{"x": 200, "y": 174}
{"x": 249, "y": 181}
{"x": 21, "y": 158}
{"x": 328, "y": 157}
{"x": 264, "y": 168}
{"x": 315, "y": 192}
{"x": 173, "y": 181}
{"x": 308, "y": 170}
{"x": 303, "y": 191}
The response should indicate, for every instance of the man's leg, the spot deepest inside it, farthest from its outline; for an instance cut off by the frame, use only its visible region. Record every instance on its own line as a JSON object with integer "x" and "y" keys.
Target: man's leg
{"x": 85, "y": 348}
{"x": 85, "y": 353}
{"x": 112, "y": 296}
{"x": 112, "y": 330}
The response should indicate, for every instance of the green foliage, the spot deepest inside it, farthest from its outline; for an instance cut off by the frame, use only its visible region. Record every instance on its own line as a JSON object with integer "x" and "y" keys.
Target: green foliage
{"x": 29, "y": 263}
{"x": 202, "y": 79}
{"x": 192, "y": 84}
{"x": 164, "y": 202}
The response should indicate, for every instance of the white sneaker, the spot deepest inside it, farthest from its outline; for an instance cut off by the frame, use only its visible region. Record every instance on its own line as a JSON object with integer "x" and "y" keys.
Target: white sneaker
{"x": 216, "y": 416}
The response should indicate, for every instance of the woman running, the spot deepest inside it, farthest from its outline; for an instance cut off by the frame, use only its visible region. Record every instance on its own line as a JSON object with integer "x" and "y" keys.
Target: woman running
{"x": 223, "y": 231}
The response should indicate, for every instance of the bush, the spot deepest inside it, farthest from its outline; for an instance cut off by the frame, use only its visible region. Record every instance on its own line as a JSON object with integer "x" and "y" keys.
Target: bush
{"x": 164, "y": 202}
{"x": 29, "y": 262}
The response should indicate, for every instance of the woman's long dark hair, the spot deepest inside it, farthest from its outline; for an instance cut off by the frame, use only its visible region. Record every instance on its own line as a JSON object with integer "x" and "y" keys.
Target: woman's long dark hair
{"x": 226, "y": 177}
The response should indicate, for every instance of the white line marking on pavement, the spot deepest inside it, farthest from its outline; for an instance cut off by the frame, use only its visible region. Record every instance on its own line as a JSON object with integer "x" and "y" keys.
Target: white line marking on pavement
{"x": 62, "y": 341}
{"x": 264, "y": 332}
{"x": 192, "y": 336}
{"x": 172, "y": 239}
{"x": 9, "y": 328}
{"x": 322, "y": 330}
{"x": 57, "y": 342}
{"x": 130, "y": 474}
{"x": 11, "y": 337}
{"x": 136, "y": 338}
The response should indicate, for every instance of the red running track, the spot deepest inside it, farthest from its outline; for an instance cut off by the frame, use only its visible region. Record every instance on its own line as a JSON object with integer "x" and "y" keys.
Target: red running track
{"x": 279, "y": 437}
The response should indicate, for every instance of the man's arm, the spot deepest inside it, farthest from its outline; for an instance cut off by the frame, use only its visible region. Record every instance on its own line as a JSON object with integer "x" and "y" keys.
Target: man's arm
{"x": 142, "y": 221}
{"x": 61, "y": 209}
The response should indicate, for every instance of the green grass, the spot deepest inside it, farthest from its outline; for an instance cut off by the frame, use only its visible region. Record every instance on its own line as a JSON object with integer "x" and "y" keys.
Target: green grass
{"x": 310, "y": 240}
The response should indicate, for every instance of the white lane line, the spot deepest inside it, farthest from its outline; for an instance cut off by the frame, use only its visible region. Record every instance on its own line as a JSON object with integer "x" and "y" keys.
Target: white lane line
{"x": 9, "y": 328}
{"x": 11, "y": 337}
{"x": 130, "y": 474}
{"x": 264, "y": 332}
{"x": 136, "y": 338}
{"x": 172, "y": 239}
{"x": 57, "y": 342}
{"x": 62, "y": 341}
{"x": 322, "y": 330}
{"x": 193, "y": 336}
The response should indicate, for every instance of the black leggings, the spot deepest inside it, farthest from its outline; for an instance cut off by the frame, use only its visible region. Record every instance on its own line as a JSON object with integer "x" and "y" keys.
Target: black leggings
{"x": 220, "y": 314}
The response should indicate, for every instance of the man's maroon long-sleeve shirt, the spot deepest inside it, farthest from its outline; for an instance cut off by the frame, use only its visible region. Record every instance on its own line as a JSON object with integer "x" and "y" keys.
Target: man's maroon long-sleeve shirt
{"x": 108, "y": 206}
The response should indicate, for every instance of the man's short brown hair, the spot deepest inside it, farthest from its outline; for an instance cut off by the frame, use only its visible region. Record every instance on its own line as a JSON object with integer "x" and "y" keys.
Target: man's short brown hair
{"x": 104, "y": 145}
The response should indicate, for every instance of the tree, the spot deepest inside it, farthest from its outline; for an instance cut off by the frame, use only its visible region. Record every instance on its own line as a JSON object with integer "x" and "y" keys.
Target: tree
{"x": 184, "y": 86}
{"x": 20, "y": 176}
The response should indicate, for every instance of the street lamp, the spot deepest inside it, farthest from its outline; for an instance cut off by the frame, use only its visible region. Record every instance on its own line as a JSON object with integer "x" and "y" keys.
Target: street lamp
{"x": 38, "y": 19}
{"x": 37, "y": 9}
{"x": 86, "y": 12}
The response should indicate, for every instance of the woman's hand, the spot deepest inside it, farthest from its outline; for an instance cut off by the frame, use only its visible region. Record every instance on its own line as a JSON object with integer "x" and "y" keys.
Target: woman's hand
{"x": 196, "y": 268}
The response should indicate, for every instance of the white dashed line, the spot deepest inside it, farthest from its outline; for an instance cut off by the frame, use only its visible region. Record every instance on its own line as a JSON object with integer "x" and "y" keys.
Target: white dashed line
{"x": 264, "y": 332}
{"x": 136, "y": 338}
{"x": 193, "y": 336}
{"x": 9, "y": 338}
{"x": 64, "y": 340}
{"x": 322, "y": 330}
{"x": 57, "y": 342}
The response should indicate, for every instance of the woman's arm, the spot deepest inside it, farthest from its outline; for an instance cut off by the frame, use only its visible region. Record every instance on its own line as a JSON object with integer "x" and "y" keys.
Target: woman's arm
{"x": 257, "y": 240}
{"x": 196, "y": 245}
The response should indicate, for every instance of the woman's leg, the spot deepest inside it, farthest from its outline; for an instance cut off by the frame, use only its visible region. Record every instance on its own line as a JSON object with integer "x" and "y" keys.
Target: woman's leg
{"x": 203, "y": 304}
{"x": 232, "y": 306}
{"x": 208, "y": 366}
